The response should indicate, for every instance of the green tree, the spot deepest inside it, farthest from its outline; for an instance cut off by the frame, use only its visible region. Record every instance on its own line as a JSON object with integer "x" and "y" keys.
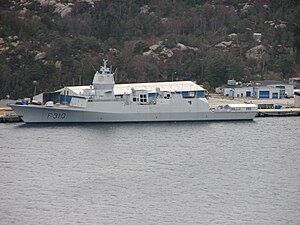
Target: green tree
{"x": 140, "y": 47}
{"x": 284, "y": 65}
{"x": 221, "y": 67}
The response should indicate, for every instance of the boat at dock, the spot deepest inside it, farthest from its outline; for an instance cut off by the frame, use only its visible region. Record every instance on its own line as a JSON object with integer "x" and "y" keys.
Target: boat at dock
{"x": 99, "y": 104}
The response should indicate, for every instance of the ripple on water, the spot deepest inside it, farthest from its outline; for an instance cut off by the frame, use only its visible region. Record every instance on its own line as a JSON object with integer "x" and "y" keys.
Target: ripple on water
{"x": 160, "y": 173}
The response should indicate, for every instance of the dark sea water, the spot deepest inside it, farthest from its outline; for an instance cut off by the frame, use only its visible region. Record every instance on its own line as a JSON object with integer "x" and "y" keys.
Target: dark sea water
{"x": 152, "y": 173}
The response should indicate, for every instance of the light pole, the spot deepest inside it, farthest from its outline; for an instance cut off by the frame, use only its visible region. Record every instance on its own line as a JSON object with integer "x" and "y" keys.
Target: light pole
{"x": 202, "y": 68}
{"x": 173, "y": 75}
{"x": 34, "y": 90}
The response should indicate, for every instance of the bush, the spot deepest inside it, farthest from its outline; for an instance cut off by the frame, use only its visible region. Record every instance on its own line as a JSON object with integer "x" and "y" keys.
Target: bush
{"x": 140, "y": 47}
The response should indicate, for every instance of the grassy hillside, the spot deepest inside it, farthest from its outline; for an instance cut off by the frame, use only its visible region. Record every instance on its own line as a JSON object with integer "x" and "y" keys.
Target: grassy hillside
{"x": 51, "y": 44}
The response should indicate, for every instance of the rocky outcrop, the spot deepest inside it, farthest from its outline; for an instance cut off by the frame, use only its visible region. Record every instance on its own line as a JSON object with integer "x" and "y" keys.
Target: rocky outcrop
{"x": 7, "y": 43}
{"x": 233, "y": 36}
{"x": 247, "y": 8}
{"x": 15, "y": 44}
{"x": 257, "y": 53}
{"x": 113, "y": 51}
{"x": 40, "y": 56}
{"x": 224, "y": 44}
{"x": 276, "y": 24}
{"x": 144, "y": 9}
{"x": 63, "y": 9}
{"x": 183, "y": 47}
{"x": 159, "y": 50}
{"x": 58, "y": 65}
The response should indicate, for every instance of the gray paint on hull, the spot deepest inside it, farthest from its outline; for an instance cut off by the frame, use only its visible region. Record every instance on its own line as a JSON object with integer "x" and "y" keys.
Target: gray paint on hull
{"x": 38, "y": 114}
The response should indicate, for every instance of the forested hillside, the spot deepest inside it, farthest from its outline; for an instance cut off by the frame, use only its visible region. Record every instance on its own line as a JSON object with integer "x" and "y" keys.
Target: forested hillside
{"x": 49, "y": 44}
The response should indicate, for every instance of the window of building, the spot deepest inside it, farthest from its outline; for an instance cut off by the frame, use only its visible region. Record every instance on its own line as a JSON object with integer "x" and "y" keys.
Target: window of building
{"x": 143, "y": 98}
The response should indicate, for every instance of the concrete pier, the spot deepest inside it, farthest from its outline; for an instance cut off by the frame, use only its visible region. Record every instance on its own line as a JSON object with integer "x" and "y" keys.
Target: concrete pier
{"x": 287, "y": 105}
{"x": 278, "y": 112}
{"x": 8, "y": 115}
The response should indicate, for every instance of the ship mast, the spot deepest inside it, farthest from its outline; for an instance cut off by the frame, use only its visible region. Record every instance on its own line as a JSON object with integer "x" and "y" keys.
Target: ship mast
{"x": 104, "y": 82}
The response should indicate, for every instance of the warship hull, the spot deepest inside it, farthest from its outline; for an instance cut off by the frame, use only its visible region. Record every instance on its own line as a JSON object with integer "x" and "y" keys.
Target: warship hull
{"x": 42, "y": 114}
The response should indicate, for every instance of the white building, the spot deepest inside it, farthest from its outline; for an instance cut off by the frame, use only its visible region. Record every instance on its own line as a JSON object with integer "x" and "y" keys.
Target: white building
{"x": 186, "y": 88}
{"x": 256, "y": 91}
{"x": 266, "y": 92}
{"x": 120, "y": 89}
{"x": 285, "y": 89}
{"x": 238, "y": 92}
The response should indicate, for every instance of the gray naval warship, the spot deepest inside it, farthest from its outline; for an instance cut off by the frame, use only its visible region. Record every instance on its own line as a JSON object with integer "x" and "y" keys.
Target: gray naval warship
{"x": 99, "y": 104}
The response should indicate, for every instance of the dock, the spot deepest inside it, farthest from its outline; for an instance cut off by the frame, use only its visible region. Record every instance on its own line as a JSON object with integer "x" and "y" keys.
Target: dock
{"x": 278, "y": 112}
{"x": 266, "y": 107}
{"x": 8, "y": 115}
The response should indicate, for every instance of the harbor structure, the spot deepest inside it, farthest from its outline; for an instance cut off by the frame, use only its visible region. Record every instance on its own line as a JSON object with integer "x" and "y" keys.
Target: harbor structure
{"x": 262, "y": 90}
{"x": 6, "y": 112}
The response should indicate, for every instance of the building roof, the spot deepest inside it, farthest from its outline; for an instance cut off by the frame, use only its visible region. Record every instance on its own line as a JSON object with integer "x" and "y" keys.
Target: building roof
{"x": 75, "y": 89}
{"x": 241, "y": 105}
{"x": 237, "y": 86}
{"x": 150, "y": 87}
{"x": 295, "y": 78}
{"x": 270, "y": 82}
{"x": 164, "y": 86}
{"x": 257, "y": 86}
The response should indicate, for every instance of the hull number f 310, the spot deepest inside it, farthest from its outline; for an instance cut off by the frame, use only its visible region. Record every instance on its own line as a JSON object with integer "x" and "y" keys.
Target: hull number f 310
{"x": 56, "y": 115}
